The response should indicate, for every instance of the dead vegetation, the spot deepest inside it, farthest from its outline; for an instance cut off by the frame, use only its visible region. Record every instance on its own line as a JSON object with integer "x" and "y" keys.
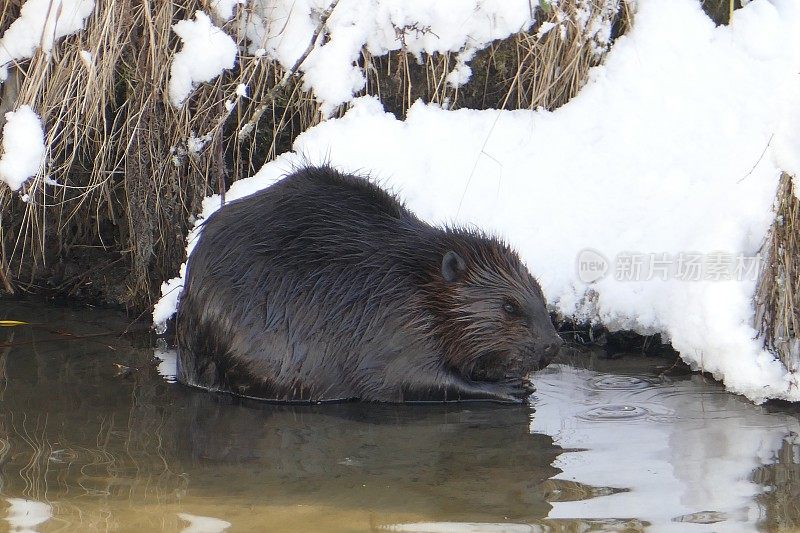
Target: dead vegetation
{"x": 778, "y": 294}
{"x": 126, "y": 170}
{"x": 110, "y": 220}
{"x": 538, "y": 68}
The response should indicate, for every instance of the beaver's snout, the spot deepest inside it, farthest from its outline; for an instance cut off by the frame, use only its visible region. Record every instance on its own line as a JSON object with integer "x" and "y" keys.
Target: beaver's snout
{"x": 551, "y": 350}
{"x": 543, "y": 354}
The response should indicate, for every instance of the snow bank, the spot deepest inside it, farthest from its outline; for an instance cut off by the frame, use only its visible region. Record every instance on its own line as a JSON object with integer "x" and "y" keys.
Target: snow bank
{"x": 206, "y": 52}
{"x": 41, "y": 23}
{"x": 283, "y": 29}
{"x": 665, "y": 157}
{"x": 23, "y": 147}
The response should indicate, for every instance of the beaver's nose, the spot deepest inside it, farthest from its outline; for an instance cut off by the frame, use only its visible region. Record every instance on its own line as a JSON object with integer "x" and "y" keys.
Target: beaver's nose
{"x": 545, "y": 355}
{"x": 550, "y": 350}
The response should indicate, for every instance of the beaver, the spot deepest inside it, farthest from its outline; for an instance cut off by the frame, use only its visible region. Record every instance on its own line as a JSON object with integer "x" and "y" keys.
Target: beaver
{"x": 325, "y": 287}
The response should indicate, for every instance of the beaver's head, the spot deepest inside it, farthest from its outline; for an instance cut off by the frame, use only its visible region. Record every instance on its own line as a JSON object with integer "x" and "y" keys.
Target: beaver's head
{"x": 489, "y": 314}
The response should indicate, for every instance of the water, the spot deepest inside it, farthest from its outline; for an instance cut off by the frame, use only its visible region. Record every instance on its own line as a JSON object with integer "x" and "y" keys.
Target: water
{"x": 94, "y": 437}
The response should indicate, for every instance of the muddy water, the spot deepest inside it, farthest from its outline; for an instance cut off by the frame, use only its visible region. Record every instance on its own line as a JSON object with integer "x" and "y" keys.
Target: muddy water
{"x": 93, "y": 436}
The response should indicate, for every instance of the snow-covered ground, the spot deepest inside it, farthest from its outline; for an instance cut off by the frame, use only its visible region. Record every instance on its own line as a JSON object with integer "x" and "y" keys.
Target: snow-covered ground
{"x": 661, "y": 173}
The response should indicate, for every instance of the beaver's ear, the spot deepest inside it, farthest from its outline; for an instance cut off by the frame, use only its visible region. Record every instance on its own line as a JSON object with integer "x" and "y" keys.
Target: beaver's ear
{"x": 453, "y": 267}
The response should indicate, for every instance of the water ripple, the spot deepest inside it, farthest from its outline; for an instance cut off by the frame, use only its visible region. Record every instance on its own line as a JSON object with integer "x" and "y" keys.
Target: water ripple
{"x": 614, "y": 412}
{"x": 621, "y": 383}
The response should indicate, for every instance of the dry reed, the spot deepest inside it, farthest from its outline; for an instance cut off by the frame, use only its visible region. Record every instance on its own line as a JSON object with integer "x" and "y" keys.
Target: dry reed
{"x": 123, "y": 178}
{"x": 777, "y": 300}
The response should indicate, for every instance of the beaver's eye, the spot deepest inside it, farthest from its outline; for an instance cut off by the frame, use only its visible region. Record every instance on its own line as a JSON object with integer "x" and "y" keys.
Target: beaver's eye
{"x": 511, "y": 308}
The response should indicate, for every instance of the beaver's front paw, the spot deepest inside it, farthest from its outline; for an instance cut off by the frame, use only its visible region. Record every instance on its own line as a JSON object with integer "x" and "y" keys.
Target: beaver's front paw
{"x": 514, "y": 390}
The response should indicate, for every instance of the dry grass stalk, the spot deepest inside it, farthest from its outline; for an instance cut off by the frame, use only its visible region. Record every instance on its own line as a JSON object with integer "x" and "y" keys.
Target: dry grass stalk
{"x": 778, "y": 294}
{"x": 551, "y": 69}
{"x": 524, "y": 72}
{"x": 126, "y": 170}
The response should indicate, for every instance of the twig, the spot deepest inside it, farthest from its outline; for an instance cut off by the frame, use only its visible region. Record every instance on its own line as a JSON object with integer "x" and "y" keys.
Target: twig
{"x": 4, "y": 279}
{"x": 245, "y": 130}
{"x": 64, "y": 336}
{"x": 759, "y": 159}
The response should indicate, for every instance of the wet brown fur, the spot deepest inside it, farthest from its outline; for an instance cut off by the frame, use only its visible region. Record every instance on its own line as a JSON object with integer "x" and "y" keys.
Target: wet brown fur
{"x": 467, "y": 333}
{"x": 325, "y": 287}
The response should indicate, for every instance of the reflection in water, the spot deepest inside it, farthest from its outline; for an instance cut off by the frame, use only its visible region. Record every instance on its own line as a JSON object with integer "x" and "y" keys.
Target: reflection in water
{"x": 684, "y": 451}
{"x": 127, "y": 450}
{"x": 462, "y": 527}
{"x": 93, "y": 438}
{"x": 167, "y": 361}
{"x": 453, "y": 461}
{"x": 782, "y": 474}
{"x": 25, "y": 515}
{"x": 203, "y": 524}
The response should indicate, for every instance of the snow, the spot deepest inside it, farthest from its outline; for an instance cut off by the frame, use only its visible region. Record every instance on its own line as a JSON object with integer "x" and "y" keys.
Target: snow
{"x": 196, "y": 144}
{"x": 86, "y": 57}
{"x": 23, "y": 147}
{"x": 283, "y": 29}
{"x": 462, "y": 72}
{"x": 673, "y": 148}
{"x": 786, "y": 141}
{"x": 40, "y": 24}
{"x": 544, "y": 29}
{"x": 207, "y": 51}
{"x": 224, "y": 8}
{"x": 165, "y": 307}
